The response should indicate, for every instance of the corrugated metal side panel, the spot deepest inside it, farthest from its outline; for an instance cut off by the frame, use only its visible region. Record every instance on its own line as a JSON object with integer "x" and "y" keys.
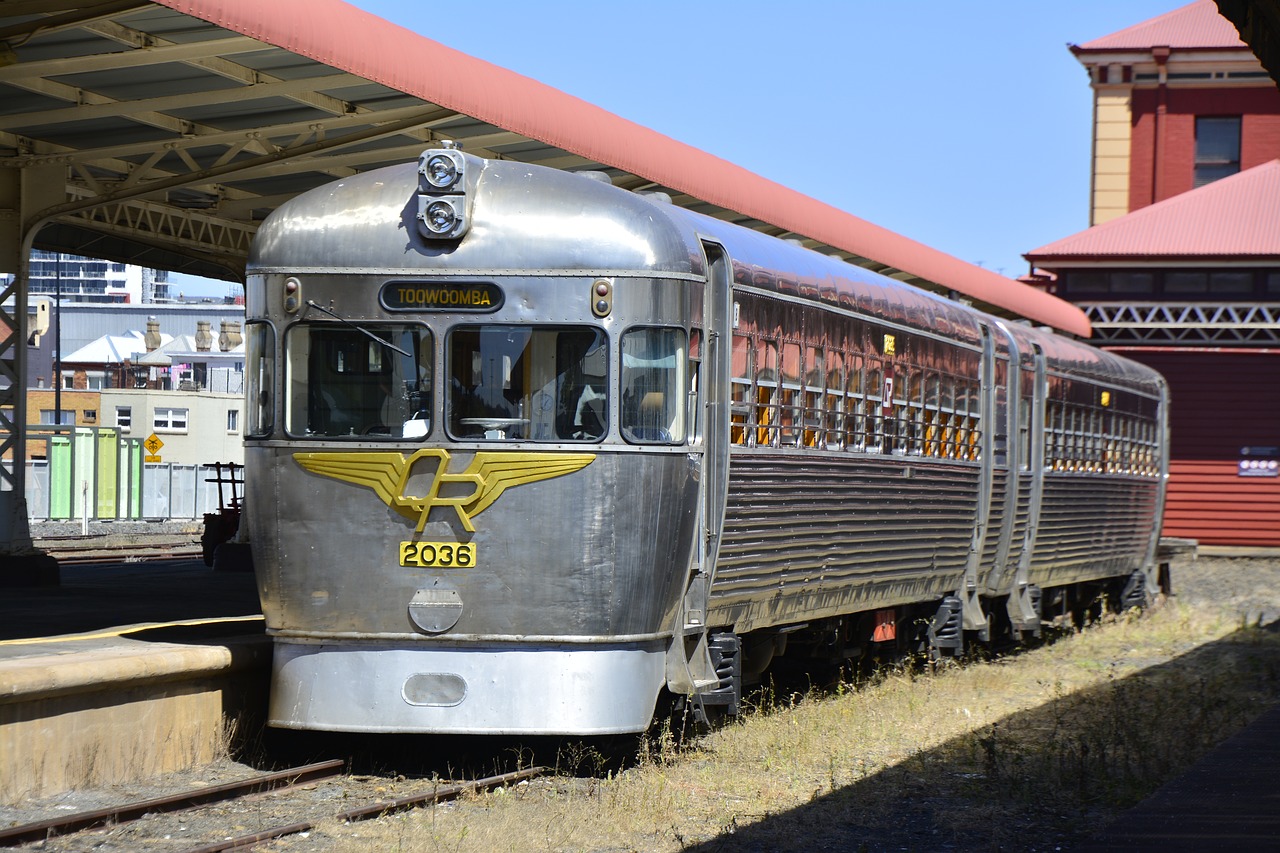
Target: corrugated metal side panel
{"x": 1208, "y": 501}
{"x": 1222, "y": 402}
{"x": 807, "y": 537}
{"x": 1092, "y": 526}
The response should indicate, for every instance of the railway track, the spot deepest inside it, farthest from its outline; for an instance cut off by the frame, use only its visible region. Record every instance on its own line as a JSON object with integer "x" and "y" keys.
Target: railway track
{"x": 81, "y": 551}
{"x": 294, "y": 791}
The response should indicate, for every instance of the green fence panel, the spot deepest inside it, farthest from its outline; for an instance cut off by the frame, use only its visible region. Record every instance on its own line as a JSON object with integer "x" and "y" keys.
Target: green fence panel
{"x": 83, "y": 487}
{"x": 108, "y": 488}
{"x": 59, "y": 477}
{"x": 135, "y": 478}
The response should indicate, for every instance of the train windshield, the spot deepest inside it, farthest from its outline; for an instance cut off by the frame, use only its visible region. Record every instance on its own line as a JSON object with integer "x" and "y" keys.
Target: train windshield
{"x": 367, "y": 381}
{"x": 531, "y": 383}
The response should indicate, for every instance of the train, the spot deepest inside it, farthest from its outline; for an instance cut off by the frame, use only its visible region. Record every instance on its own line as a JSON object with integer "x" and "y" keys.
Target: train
{"x": 528, "y": 453}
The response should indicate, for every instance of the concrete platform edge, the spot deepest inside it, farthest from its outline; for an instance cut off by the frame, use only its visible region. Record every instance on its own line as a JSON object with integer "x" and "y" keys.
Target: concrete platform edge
{"x": 44, "y": 676}
{"x": 119, "y": 714}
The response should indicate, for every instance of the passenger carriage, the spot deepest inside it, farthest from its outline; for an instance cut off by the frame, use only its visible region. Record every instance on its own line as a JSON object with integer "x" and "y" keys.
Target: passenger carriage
{"x": 524, "y": 450}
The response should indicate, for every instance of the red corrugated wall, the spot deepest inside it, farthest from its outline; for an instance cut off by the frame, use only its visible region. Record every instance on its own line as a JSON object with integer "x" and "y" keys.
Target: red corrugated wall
{"x": 1222, "y": 402}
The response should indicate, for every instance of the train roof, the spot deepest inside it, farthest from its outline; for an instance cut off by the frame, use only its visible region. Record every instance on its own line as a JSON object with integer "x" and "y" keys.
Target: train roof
{"x": 530, "y": 220}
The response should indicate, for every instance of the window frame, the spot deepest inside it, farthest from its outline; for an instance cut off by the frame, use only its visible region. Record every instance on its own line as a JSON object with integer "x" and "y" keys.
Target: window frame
{"x": 171, "y": 425}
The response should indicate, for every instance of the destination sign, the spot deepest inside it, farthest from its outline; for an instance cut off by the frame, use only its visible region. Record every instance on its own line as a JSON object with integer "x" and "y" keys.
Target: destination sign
{"x": 475, "y": 296}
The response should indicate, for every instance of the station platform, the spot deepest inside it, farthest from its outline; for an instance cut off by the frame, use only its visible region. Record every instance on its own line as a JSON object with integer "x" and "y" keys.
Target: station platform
{"x": 124, "y": 672}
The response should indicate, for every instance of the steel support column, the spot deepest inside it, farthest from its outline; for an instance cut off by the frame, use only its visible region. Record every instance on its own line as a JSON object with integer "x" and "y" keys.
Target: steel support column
{"x": 23, "y": 192}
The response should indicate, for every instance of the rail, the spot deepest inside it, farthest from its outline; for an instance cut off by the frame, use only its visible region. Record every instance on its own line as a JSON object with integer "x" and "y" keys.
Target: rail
{"x": 282, "y": 780}
{"x": 177, "y": 802}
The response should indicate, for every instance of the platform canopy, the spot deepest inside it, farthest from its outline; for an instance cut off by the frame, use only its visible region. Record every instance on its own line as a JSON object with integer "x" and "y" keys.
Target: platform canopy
{"x": 179, "y": 124}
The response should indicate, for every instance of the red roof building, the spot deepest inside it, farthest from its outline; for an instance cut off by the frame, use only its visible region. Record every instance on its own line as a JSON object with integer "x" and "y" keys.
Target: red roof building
{"x": 1179, "y": 101}
{"x": 1181, "y": 270}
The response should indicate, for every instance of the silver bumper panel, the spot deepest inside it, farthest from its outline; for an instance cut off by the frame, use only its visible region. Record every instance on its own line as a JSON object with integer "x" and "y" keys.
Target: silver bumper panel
{"x": 485, "y": 690}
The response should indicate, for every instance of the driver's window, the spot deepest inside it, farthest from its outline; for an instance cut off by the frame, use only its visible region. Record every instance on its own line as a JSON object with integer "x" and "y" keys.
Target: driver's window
{"x": 370, "y": 381}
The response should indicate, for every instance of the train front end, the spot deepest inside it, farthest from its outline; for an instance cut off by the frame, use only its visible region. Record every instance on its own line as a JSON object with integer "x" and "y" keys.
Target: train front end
{"x": 471, "y": 491}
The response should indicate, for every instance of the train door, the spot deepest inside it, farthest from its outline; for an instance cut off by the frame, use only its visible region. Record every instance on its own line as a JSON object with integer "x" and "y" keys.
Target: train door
{"x": 690, "y": 668}
{"x": 714, "y": 392}
{"x": 1022, "y": 610}
{"x": 1010, "y": 461}
{"x": 974, "y": 618}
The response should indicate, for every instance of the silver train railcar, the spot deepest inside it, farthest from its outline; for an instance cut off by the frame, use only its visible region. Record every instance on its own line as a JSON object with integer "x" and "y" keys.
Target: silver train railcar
{"x": 524, "y": 450}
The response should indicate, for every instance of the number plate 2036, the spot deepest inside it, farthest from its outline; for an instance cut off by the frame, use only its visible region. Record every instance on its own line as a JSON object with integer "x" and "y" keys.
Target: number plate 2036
{"x": 438, "y": 555}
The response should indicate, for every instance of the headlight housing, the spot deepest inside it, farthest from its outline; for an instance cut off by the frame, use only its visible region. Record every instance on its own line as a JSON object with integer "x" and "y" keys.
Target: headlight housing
{"x": 442, "y": 193}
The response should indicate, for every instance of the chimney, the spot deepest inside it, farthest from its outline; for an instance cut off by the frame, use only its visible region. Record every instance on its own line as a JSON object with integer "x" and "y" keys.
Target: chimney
{"x": 152, "y": 338}
{"x": 204, "y": 338}
{"x": 229, "y": 338}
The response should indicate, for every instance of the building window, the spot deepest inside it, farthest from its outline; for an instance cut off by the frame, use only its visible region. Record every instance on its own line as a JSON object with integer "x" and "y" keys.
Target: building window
{"x": 1171, "y": 284}
{"x": 1217, "y": 148}
{"x": 1231, "y": 283}
{"x": 1185, "y": 283}
{"x": 168, "y": 419}
{"x": 124, "y": 418}
{"x": 233, "y": 420}
{"x": 48, "y": 417}
{"x": 1132, "y": 282}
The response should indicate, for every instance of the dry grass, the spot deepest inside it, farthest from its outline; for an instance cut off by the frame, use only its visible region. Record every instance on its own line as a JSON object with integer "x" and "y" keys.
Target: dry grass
{"x": 1027, "y": 752}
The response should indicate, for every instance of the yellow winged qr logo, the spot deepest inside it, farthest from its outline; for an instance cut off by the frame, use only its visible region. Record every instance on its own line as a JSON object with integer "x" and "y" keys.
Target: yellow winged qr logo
{"x": 488, "y": 475}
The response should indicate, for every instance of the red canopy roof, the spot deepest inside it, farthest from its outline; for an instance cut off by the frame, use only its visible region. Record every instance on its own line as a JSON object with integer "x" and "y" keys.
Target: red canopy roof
{"x": 1235, "y": 217}
{"x": 355, "y": 41}
{"x": 1197, "y": 25}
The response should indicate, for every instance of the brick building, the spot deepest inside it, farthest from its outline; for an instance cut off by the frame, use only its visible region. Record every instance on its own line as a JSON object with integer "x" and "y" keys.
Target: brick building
{"x": 1181, "y": 269}
{"x": 1179, "y": 101}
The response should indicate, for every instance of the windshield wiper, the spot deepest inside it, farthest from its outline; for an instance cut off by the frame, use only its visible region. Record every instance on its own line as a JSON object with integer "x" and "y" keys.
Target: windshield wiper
{"x": 313, "y": 304}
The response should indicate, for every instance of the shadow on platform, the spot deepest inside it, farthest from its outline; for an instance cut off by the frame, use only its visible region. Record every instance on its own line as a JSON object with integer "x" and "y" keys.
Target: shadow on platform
{"x": 100, "y": 597}
{"x": 1057, "y": 777}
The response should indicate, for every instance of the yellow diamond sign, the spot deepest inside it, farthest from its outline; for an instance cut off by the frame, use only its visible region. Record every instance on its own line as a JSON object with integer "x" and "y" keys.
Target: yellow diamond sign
{"x": 153, "y": 444}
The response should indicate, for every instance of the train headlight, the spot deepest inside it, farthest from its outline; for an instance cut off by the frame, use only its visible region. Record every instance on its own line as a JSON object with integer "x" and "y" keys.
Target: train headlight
{"x": 440, "y": 170}
{"x": 442, "y": 216}
{"x": 442, "y": 192}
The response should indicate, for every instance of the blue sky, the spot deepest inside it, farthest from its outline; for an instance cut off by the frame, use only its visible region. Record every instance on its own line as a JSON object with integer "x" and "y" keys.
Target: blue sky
{"x": 963, "y": 125}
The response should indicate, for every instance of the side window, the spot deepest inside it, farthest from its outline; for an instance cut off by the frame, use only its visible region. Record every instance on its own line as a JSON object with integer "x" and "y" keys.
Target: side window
{"x": 766, "y": 393}
{"x": 834, "y": 408}
{"x": 652, "y": 382}
{"x": 873, "y": 407}
{"x": 814, "y": 396}
{"x": 791, "y": 408}
{"x": 260, "y": 383}
{"x": 742, "y": 369}
{"x": 854, "y": 416}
